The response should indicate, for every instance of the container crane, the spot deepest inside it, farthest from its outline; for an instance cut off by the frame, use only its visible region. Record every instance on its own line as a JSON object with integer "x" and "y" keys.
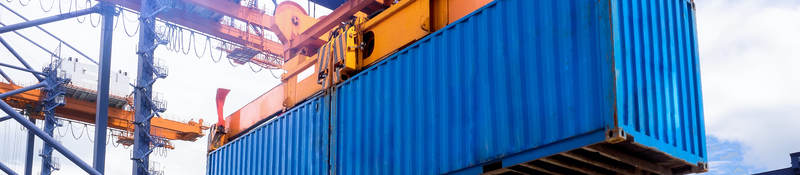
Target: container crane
{"x": 321, "y": 52}
{"x": 80, "y": 106}
{"x": 356, "y": 34}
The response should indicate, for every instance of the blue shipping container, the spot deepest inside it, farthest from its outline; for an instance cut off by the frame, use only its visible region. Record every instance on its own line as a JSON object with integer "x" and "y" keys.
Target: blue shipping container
{"x": 516, "y": 86}
{"x": 295, "y": 142}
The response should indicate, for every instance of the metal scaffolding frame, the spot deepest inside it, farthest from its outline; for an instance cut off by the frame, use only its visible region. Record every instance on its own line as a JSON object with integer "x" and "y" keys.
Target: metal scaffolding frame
{"x": 144, "y": 106}
{"x": 52, "y": 85}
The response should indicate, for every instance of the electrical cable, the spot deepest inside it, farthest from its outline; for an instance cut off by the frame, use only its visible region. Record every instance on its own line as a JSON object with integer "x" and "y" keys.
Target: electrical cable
{"x": 205, "y": 46}
{"x": 124, "y": 26}
{"x": 52, "y": 4}
{"x": 88, "y": 134}
{"x": 253, "y": 69}
{"x": 61, "y": 10}
{"x": 80, "y": 19}
{"x": 72, "y": 130}
{"x": 273, "y": 74}
{"x": 211, "y": 54}
{"x": 191, "y": 35}
{"x": 23, "y": 4}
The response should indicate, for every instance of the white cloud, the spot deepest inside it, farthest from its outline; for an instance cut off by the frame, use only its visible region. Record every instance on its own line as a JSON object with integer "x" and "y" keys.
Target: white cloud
{"x": 749, "y": 52}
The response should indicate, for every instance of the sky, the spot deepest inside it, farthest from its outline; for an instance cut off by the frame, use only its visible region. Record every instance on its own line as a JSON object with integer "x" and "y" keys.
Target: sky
{"x": 748, "y": 55}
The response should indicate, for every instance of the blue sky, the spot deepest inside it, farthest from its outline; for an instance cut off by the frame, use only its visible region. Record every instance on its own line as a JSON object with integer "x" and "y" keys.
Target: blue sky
{"x": 749, "y": 50}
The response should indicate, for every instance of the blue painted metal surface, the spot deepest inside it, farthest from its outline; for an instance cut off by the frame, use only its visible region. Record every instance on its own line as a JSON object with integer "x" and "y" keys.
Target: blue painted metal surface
{"x": 295, "y": 142}
{"x": 330, "y": 4}
{"x": 143, "y": 104}
{"x": 16, "y": 55}
{"x": 30, "y": 143}
{"x": 46, "y": 138}
{"x": 511, "y": 77}
{"x": 6, "y": 169}
{"x": 518, "y": 80}
{"x": 659, "y": 97}
{"x": 103, "y": 78}
{"x": 49, "y": 19}
{"x": 46, "y": 32}
{"x": 54, "y": 92}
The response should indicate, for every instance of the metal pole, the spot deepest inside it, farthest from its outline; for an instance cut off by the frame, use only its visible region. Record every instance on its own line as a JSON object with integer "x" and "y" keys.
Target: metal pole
{"x": 53, "y": 98}
{"x": 46, "y": 138}
{"x": 21, "y": 90}
{"x": 22, "y": 69}
{"x": 16, "y": 55}
{"x": 5, "y": 76}
{"x": 5, "y": 118}
{"x": 6, "y": 169}
{"x": 48, "y": 33}
{"x": 47, "y": 149}
{"x": 48, "y": 19}
{"x": 101, "y": 116}
{"x": 29, "y": 150}
{"x": 142, "y": 101}
{"x": 39, "y": 45}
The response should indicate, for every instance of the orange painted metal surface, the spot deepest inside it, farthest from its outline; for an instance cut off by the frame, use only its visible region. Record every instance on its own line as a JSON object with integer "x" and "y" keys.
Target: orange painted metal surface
{"x": 460, "y": 8}
{"x": 118, "y": 118}
{"x": 214, "y": 28}
{"x": 257, "y": 110}
{"x": 397, "y": 26}
{"x": 310, "y": 37}
{"x": 303, "y": 37}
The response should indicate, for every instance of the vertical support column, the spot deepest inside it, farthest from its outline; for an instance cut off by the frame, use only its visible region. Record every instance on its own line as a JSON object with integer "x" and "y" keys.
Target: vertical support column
{"x": 143, "y": 90}
{"x": 47, "y": 149}
{"x": 54, "y": 97}
{"x": 29, "y": 151}
{"x": 101, "y": 116}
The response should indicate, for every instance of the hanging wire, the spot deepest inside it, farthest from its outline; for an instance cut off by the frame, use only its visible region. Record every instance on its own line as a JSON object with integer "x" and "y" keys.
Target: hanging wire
{"x": 188, "y": 47}
{"x": 60, "y": 9}
{"x": 211, "y": 54}
{"x": 80, "y": 19}
{"x": 253, "y": 69}
{"x": 58, "y": 131}
{"x": 52, "y": 4}
{"x": 72, "y": 130}
{"x": 178, "y": 39}
{"x": 205, "y": 46}
{"x": 124, "y": 26}
{"x": 88, "y": 134}
{"x": 24, "y": 4}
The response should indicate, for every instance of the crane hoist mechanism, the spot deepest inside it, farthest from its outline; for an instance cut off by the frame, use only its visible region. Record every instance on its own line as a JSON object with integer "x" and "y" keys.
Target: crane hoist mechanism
{"x": 319, "y": 53}
{"x": 80, "y": 106}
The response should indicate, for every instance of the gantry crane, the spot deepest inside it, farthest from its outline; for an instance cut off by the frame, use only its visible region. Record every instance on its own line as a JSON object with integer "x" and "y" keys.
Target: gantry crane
{"x": 318, "y": 53}
{"x": 315, "y": 53}
{"x": 80, "y": 106}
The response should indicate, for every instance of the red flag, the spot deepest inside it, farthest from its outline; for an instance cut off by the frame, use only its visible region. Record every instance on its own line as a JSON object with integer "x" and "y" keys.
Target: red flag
{"x": 221, "y": 94}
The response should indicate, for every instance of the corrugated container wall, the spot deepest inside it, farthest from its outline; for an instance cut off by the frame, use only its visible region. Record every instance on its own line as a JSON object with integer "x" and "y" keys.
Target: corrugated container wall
{"x": 295, "y": 142}
{"x": 511, "y": 77}
{"x": 514, "y": 81}
{"x": 659, "y": 98}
